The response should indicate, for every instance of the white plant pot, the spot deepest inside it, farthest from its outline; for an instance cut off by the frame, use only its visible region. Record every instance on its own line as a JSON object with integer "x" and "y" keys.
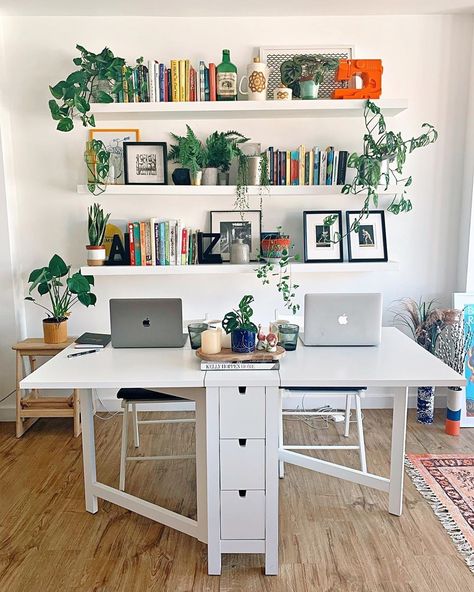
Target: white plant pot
{"x": 95, "y": 255}
{"x": 209, "y": 176}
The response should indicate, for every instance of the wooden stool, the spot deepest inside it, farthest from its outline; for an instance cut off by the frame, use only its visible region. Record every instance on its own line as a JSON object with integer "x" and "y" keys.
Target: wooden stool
{"x": 31, "y": 407}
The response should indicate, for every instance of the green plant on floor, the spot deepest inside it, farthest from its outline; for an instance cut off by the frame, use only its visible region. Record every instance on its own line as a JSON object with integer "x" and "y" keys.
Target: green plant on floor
{"x": 240, "y": 318}
{"x": 64, "y": 290}
{"x": 221, "y": 148}
{"x": 99, "y": 77}
{"x": 97, "y": 223}
{"x": 382, "y": 147}
{"x": 97, "y": 159}
{"x": 189, "y": 151}
{"x": 306, "y": 67}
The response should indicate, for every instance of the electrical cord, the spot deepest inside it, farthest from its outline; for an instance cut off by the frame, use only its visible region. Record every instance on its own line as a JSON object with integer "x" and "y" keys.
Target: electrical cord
{"x": 111, "y": 414}
{"x": 6, "y": 396}
{"x": 318, "y": 422}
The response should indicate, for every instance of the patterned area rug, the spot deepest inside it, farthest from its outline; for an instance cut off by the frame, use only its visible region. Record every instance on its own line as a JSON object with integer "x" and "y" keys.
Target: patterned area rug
{"x": 446, "y": 481}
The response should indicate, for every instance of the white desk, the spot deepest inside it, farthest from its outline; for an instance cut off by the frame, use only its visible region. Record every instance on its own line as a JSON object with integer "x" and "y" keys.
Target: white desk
{"x": 239, "y": 408}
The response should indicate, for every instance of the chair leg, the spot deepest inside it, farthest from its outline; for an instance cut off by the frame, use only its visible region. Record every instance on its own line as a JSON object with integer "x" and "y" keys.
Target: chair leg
{"x": 281, "y": 464}
{"x": 123, "y": 450}
{"x": 347, "y": 416}
{"x": 360, "y": 434}
{"x": 136, "y": 435}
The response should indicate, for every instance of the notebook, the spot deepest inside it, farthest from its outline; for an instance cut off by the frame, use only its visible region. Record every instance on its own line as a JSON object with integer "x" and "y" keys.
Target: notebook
{"x": 92, "y": 340}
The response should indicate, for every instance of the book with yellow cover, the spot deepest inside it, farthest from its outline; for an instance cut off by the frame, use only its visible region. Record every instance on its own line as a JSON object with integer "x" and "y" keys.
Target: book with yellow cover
{"x": 182, "y": 80}
{"x": 187, "y": 81}
{"x": 174, "y": 80}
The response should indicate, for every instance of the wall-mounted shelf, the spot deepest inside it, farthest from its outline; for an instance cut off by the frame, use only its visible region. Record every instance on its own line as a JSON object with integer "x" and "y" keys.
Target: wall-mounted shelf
{"x": 129, "y": 270}
{"x": 222, "y": 190}
{"x": 242, "y": 109}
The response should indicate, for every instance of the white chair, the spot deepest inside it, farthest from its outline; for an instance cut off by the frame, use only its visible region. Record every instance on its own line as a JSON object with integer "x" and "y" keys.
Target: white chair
{"x": 131, "y": 397}
{"x": 325, "y": 393}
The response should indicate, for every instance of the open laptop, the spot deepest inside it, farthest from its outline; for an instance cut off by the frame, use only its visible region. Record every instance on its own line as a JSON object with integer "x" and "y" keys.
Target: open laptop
{"x": 342, "y": 319}
{"x": 147, "y": 322}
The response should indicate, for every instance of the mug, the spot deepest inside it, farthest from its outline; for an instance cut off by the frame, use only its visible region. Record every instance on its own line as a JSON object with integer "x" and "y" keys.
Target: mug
{"x": 257, "y": 81}
{"x": 282, "y": 93}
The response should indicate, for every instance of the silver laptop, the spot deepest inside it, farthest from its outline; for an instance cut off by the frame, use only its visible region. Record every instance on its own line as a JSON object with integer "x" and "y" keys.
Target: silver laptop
{"x": 147, "y": 322}
{"x": 342, "y": 319}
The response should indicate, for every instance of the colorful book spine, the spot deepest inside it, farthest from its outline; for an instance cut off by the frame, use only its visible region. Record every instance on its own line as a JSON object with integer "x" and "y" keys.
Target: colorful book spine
{"x": 151, "y": 79}
{"x": 184, "y": 234}
{"x": 126, "y": 90}
{"x": 167, "y": 243}
{"x": 162, "y": 236}
{"x": 182, "y": 80}
{"x": 168, "y": 89}
{"x": 294, "y": 167}
{"x": 335, "y": 164}
{"x": 287, "y": 167}
{"x": 179, "y": 238}
{"x": 148, "y": 247}
{"x": 317, "y": 155}
{"x": 330, "y": 157}
{"x": 136, "y": 241}
{"x": 323, "y": 167}
{"x": 206, "y": 84}
{"x": 301, "y": 170}
{"x": 174, "y": 81}
{"x": 202, "y": 80}
{"x": 310, "y": 167}
{"x": 131, "y": 235}
{"x": 187, "y": 80}
{"x": 212, "y": 82}
{"x": 161, "y": 74}
{"x": 152, "y": 224}
{"x": 143, "y": 242}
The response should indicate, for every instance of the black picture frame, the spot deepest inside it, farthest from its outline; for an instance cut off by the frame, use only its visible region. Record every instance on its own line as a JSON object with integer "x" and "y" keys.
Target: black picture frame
{"x": 254, "y": 217}
{"x": 127, "y": 147}
{"x": 338, "y": 225}
{"x": 352, "y": 258}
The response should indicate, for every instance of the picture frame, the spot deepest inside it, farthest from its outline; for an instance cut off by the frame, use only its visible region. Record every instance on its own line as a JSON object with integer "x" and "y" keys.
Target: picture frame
{"x": 369, "y": 244}
{"x": 320, "y": 244}
{"x": 114, "y": 139}
{"x": 232, "y": 224}
{"x": 465, "y": 302}
{"x": 145, "y": 163}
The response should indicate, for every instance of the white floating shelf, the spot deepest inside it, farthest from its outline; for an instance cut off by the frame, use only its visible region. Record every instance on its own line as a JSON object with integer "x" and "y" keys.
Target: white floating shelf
{"x": 222, "y": 190}
{"x": 129, "y": 270}
{"x": 242, "y": 109}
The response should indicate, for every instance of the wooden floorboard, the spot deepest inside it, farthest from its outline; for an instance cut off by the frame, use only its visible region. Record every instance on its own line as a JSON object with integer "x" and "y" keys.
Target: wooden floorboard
{"x": 334, "y": 536}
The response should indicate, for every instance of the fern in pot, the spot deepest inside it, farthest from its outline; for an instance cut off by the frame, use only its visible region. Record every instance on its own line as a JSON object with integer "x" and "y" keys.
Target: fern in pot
{"x": 190, "y": 154}
{"x": 97, "y": 223}
{"x": 220, "y": 150}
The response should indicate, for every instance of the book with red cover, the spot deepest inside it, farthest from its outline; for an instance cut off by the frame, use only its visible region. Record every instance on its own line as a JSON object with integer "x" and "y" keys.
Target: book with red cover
{"x": 212, "y": 82}
{"x": 192, "y": 84}
{"x": 132, "y": 245}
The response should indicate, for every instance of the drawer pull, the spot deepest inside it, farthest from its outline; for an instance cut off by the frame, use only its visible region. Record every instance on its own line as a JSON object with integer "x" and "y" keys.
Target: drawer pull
{"x": 242, "y": 390}
{"x": 242, "y": 492}
{"x": 242, "y": 441}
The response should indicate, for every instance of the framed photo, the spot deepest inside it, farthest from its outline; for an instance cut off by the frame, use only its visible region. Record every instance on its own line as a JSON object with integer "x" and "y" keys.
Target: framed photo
{"x": 370, "y": 242}
{"x": 113, "y": 140}
{"x": 320, "y": 244}
{"x": 146, "y": 163}
{"x": 276, "y": 55}
{"x": 465, "y": 302}
{"x": 234, "y": 224}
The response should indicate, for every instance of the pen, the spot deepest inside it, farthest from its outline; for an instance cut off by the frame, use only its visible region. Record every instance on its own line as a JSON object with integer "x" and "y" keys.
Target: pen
{"x": 83, "y": 353}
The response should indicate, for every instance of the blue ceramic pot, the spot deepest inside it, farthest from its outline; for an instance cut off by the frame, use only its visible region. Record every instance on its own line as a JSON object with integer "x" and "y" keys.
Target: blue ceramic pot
{"x": 425, "y": 404}
{"x": 243, "y": 341}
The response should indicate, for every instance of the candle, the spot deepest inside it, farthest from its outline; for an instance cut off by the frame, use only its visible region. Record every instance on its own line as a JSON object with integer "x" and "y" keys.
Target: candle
{"x": 211, "y": 341}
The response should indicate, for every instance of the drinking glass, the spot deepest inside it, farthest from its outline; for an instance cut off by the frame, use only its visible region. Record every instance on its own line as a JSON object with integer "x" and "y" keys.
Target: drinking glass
{"x": 288, "y": 336}
{"x": 195, "y": 330}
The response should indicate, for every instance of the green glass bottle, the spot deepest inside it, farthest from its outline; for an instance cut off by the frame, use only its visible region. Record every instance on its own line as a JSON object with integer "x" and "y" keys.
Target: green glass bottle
{"x": 226, "y": 78}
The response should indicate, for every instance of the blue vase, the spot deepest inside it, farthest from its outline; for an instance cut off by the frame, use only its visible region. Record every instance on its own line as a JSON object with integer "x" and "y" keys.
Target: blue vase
{"x": 425, "y": 404}
{"x": 243, "y": 341}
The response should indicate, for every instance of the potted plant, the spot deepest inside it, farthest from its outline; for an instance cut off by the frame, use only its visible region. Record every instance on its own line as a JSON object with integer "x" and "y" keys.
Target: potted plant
{"x": 220, "y": 149}
{"x": 304, "y": 73}
{"x": 97, "y": 159}
{"x": 252, "y": 170}
{"x": 381, "y": 164}
{"x": 273, "y": 247}
{"x": 64, "y": 291}
{"x": 238, "y": 323}
{"x": 190, "y": 153}
{"x": 97, "y": 223}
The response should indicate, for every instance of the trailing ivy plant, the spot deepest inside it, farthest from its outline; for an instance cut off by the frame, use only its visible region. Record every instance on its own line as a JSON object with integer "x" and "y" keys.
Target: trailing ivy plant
{"x": 382, "y": 146}
{"x": 73, "y": 95}
{"x": 241, "y": 202}
{"x": 97, "y": 159}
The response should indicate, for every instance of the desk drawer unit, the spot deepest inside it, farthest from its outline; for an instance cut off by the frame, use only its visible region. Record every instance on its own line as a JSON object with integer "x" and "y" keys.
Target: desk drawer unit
{"x": 242, "y": 464}
{"x": 242, "y": 412}
{"x": 243, "y": 514}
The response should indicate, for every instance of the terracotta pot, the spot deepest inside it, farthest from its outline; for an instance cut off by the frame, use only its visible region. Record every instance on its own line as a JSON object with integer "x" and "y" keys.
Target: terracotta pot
{"x": 54, "y": 332}
{"x": 96, "y": 255}
{"x": 272, "y": 248}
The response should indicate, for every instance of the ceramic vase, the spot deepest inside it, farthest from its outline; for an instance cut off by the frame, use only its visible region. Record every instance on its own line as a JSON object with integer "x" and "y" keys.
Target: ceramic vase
{"x": 257, "y": 81}
{"x": 239, "y": 251}
{"x": 222, "y": 178}
{"x": 425, "y": 404}
{"x": 181, "y": 176}
{"x": 243, "y": 341}
{"x": 209, "y": 176}
{"x": 452, "y": 425}
{"x": 309, "y": 89}
{"x": 196, "y": 178}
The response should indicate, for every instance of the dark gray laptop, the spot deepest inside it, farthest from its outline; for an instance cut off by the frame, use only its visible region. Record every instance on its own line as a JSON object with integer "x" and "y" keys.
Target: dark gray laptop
{"x": 147, "y": 322}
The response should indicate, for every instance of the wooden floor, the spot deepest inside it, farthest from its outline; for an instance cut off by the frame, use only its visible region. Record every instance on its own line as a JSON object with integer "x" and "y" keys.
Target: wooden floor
{"x": 334, "y": 536}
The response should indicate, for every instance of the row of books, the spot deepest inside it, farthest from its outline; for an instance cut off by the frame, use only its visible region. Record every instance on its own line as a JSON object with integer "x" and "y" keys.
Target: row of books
{"x": 307, "y": 167}
{"x": 162, "y": 242}
{"x": 155, "y": 82}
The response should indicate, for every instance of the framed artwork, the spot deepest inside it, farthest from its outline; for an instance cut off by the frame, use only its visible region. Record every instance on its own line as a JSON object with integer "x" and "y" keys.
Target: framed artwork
{"x": 275, "y": 56}
{"x": 146, "y": 163}
{"x": 234, "y": 224}
{"x": 320, "y": 244}
{"x": 465, "y": 302}
{"x": 113, "y": 140}
{"x": 370, "y": 242}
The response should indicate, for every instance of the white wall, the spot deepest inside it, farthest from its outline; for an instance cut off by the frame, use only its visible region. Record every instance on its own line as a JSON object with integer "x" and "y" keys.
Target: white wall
{"x": 425, "y": 60}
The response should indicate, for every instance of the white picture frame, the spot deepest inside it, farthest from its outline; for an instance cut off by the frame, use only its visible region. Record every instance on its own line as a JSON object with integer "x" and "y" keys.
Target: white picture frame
{"x": 465, "y": 302}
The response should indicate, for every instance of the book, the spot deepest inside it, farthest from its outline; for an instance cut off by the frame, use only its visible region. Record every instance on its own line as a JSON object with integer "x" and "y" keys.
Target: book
{"x": 163, "y": 96}
{"x": 184, "y": 246}
{"x": 92, "y": 340}
{"x": 179, "y": 238}
{"x": 323, "y": 167}
{"x": 212, "y": 82}
{"x": 182, "y": 80}
{"x": 187, "y": 80}
{"x": 252, "y": 365}
{"x": 132, "y": 243}
{"x": 342, "y": 167}
{"x": 143, "y": 242}
{"x": 329, "y": 166}
{"x": 310, "y": 167}
{"x": 202, "y": 81}
{"x": 174, "y": 80}
{"x": 151, "y": 79}
{"x": 162, "y": 243}
{"x": 301, "y": 151}
{"x": 137, "y": 243}
{"x": 206, "y": 84}
{"x": 148, "y": 248}
{"x": 317, "y": 154}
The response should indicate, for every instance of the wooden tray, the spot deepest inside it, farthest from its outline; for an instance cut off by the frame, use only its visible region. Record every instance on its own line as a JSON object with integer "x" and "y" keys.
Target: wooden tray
{"x": 227, "y": 355}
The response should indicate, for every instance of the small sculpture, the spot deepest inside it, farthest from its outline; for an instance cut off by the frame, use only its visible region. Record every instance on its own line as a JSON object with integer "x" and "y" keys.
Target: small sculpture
{"x": 371, "y": 73}
{"x": 272, "y": 341}
{"x": 261, "y": 339}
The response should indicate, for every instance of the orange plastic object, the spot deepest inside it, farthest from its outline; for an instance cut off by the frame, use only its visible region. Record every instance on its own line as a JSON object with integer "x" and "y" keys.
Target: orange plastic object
{"x": 453, "y": 428}
{"x": 371, "y": 73}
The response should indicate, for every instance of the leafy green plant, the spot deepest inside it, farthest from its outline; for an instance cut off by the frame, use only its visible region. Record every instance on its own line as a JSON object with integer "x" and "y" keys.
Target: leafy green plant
{"x": 241, "y": 190}
{"x": 189, "y": 151}
{"x": 97, "y": 159}
{"x": 97, "y": 223}
{"x": 72, "y": 96}
{"x": 64, "y": 290}
{"x": 222, "y": 147}
{"x": 240, "y": 318}
{"x": 306, "y": 67}
{"x": 382, "y": 146}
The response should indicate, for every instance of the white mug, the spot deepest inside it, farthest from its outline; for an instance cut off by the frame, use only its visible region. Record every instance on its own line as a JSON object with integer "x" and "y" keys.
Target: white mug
{"x": 257, "y": 81}
{"x": 282, "y": 93}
